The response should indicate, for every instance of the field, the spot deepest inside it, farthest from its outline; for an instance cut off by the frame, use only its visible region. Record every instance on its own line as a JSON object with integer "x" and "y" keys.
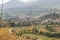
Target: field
{"x": 5, "y": 34}
{"x": 57, "y": 29}
{"x": 8, "y": 34}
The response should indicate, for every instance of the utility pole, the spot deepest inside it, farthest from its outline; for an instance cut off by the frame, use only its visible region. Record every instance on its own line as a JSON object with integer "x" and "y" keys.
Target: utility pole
{"x": 1, "y": 12}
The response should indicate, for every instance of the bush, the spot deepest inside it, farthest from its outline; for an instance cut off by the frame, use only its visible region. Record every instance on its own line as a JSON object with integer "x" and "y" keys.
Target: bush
{"x": 49, "y": 28}
{"x": 19, "y": 33}
{"x": 34, "y": 31}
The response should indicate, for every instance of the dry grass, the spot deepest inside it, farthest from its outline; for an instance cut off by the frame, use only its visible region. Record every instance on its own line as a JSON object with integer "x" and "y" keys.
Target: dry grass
{"x": 56, "y": 29}
{"x": 6, "y": 35}
{"x": 43, "y": 30}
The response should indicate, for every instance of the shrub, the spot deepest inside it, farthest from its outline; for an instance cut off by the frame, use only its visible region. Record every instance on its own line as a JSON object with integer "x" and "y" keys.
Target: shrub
{"x": 49, "y": 28}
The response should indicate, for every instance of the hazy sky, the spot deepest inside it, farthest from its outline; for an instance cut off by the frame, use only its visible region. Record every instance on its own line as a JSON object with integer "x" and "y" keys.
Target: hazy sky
{"x": 40, "y": 3}
{"x": 5, "y": 1}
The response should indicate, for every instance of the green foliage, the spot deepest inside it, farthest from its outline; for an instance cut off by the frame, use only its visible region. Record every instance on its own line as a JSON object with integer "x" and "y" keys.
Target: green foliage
{"x": 27, "y": 31}
{"x": 35, "y": 30}
{"x": 49, "y": 28}
{"x": 20, "y": 33}
{"x": 34, "y": 38}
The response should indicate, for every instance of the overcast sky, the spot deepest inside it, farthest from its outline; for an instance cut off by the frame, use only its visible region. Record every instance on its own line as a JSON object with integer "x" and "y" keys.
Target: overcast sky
{"x": 5, "y": 1}
{"x": 42, "y": 3}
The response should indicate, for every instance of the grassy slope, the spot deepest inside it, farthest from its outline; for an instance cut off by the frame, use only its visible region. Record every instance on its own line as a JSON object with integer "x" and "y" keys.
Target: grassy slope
{"x": 5, "y": 32}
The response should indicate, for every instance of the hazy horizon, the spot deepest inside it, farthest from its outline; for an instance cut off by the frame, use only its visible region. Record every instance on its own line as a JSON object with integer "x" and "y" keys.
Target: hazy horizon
{"x": 37, "y": 3}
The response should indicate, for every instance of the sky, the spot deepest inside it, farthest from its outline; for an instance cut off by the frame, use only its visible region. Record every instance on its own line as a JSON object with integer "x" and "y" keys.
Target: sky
{"x": 5, "y": 1}
{"x": 40, "y": 3}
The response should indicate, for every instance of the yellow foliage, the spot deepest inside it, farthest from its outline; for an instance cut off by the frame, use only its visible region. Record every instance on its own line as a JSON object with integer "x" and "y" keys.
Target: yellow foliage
{"x": 6, "y": 35}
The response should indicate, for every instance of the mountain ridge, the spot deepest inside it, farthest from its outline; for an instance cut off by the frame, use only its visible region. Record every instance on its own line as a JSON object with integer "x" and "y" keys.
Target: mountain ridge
{"x": 38, "y": 3}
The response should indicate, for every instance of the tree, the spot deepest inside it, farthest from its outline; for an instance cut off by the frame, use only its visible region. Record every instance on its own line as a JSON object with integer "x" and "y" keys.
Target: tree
{"x": 34, "y": 30}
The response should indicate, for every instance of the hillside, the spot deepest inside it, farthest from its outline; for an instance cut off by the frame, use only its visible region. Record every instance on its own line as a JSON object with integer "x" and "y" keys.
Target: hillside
{"x": 34, "y": 8}
{"x": 27, "y": 12}
{"x": 52, "y": 18}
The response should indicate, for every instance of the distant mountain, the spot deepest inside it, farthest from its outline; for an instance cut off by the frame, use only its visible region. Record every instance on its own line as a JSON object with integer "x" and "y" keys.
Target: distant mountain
{"x": 33, "y": 3}
{"x": 15, "y": 8}
{"x": 24, "y": 12}
{"x": 51, "y": 16}
{"x": 13, "y": 4}
{"x": 27, "y": 12}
